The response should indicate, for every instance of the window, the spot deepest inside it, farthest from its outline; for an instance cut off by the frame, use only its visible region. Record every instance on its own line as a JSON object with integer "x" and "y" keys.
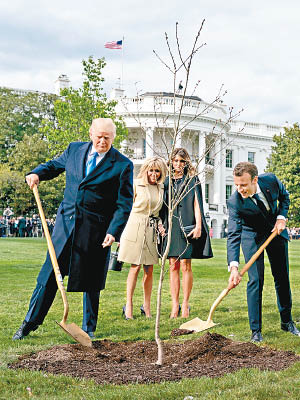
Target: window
{"x": 208, "y": 159}
{"x": 144, "y": 148}
{"x": 228, "y": 191}
{"x": 206, "y": 192}
{"x": 228, "y": 158}
{"x": 251, "y": 156}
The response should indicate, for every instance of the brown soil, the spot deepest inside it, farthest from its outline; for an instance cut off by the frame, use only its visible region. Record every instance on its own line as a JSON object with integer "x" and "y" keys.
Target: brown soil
{"x": 211, "y": 355}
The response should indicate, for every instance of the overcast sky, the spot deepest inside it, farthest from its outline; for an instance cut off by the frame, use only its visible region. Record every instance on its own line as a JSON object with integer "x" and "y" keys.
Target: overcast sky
{"x": 252, "y": 48}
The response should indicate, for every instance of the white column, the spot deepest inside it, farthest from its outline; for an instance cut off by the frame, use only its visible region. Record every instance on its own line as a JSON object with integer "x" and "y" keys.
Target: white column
{"x": 149, "y": 142}
{"x": 178, "y": 142}
{"x": 201, "y": 155}
{"x": 218, "y": 187}
{"x": 123, "y": 146}
{"x": 201, "y": 166}
{"x": 222, "y": 175}
{"x": 217, "y": 173}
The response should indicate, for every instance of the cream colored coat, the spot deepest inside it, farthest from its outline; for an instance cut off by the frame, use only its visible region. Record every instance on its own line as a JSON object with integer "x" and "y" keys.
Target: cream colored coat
{"x": 138, "y": 240}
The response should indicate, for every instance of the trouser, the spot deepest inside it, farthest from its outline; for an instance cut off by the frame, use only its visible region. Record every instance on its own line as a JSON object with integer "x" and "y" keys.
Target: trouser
{"x": 46, "y": 288}
{"x": 277, "y": 252}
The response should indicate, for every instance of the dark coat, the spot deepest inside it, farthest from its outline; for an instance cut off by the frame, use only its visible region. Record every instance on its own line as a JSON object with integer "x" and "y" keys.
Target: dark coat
{"x": 246, "y": 221}
{"x": 202, "y": 246}
{"x": 92, "y": 206}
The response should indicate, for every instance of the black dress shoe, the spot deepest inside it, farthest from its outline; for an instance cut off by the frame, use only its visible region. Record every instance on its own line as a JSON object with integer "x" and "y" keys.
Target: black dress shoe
{"x": 91, "y": 335}
{"x": 24, "y": 330}
{"x": 290, "y": 327}
{"x": 256, "y": 337}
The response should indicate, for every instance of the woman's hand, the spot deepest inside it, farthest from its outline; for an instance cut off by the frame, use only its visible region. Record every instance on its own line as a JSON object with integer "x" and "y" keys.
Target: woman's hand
{"x": 161, "y": 230}
{"x": 195, "y": 233}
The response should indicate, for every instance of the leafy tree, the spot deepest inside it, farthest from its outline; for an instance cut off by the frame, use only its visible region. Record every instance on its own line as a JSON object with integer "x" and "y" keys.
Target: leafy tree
{"x": 76, "y": 108}
{"x": 15, "y": 192}
{"x": 22, "y": 113}
{"x": 284, "y": 161}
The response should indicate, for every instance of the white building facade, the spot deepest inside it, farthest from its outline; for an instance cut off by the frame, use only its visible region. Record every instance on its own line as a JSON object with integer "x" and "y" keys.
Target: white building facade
{"x": 215, "y": 143}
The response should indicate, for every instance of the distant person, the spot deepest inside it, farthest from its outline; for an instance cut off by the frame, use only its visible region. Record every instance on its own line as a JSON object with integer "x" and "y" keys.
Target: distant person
{"x": 35, "y": 228}
{"x": 138, "y": 244}
{"x": 95, "y": 208}
{"x": 28, "y": 227}
{"x": 8, "y": 213}
{"x": 2, "y": 227}
{"x": 253, "y": 215}
{"x": 21, "y": 226}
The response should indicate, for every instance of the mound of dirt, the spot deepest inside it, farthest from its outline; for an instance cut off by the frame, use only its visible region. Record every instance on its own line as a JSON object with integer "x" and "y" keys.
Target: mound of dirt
{"x": 211, "y": 355}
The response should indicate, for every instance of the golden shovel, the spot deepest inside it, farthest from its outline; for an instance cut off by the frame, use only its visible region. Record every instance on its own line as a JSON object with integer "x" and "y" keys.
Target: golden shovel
{"x": 72, "y": 329}
{"x": 197, "y": 324}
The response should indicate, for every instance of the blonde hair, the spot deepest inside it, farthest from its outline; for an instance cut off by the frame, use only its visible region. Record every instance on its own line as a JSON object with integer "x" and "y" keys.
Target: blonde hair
{"x": 153, "y": 162}
{"x": 183, "y": 153}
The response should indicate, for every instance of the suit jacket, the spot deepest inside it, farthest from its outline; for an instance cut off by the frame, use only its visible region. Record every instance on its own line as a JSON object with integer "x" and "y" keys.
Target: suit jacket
{"x": 247, "y": 221}
{"x": 92, "y": 206}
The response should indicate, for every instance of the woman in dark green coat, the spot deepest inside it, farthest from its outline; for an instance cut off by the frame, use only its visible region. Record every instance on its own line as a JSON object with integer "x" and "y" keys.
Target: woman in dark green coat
{"x": 189, "y": 233}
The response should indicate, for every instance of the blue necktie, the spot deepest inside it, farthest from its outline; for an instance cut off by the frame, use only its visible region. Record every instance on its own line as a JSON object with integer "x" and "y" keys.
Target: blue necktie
{"x": 91, "y": 164}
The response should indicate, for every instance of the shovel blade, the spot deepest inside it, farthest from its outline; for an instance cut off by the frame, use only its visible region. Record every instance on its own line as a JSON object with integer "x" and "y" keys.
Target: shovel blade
{"x": 77, "y": 333}
{"x": 197, "y": 325}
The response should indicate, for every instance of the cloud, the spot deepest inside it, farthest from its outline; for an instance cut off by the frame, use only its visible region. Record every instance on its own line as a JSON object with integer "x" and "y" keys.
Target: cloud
{"x": 252, "y": 48}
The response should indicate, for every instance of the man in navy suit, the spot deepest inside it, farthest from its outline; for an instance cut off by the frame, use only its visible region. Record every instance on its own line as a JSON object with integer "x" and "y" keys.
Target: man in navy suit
{"x": 258, "y": 207}
{"x": 96, "y": 205}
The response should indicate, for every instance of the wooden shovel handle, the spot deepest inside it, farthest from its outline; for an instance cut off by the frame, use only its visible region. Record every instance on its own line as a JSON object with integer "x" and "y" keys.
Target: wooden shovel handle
{"x": 254, "y": 257}
{"x": 58, "y": 277}
{"x": 245, "y": 269}
{"x": 258, "y": 253}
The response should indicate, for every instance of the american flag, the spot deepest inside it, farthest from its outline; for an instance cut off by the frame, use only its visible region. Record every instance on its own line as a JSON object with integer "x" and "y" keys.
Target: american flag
{"x": 114, "y": 45}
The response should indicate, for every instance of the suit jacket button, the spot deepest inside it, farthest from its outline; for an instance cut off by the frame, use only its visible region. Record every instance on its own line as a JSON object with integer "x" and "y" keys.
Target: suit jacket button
{"x": 71, "y": 217}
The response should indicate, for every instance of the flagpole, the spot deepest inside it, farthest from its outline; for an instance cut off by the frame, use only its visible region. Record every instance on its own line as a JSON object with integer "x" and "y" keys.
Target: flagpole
{"x": 122, "y": 63}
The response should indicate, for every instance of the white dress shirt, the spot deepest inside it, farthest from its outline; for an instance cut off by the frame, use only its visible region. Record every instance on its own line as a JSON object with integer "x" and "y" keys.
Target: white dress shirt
{"x": 91, "y": 154}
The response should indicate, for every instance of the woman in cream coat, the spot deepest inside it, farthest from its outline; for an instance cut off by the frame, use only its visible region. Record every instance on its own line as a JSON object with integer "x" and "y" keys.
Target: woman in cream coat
{"x": 138, "y": 240}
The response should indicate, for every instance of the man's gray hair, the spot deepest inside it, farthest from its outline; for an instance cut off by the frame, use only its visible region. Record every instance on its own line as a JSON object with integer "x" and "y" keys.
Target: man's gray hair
{"x": 104, "y": 125}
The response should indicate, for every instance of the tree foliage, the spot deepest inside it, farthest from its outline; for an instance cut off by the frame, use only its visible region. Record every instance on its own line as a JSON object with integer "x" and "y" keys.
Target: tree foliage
{"x": 284, "y": 162}
{"x": 30, "y": 152}
{"x": 35, "y": 127}
{"x": 22, "y": 113}
{"x": 76, "y": 108}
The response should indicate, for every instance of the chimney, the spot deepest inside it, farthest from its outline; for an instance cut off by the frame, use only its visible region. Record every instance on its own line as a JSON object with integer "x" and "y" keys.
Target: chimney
{"x": 62, "y": 82}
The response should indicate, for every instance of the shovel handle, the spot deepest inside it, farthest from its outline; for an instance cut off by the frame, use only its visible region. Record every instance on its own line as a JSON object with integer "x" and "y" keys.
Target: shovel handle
{"x": 58, "y": 277}
{"x": 258, "y": 253}
{"x": 243, "y": 271}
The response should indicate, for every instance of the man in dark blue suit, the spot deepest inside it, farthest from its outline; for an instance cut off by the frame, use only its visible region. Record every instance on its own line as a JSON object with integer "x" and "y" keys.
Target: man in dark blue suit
{"x": 258, "y": 207}
{"x": 97, "y": 202}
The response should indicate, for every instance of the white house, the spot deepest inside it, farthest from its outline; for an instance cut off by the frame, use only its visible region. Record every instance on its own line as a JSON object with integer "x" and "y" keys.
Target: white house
{"x": 213, "y": 141}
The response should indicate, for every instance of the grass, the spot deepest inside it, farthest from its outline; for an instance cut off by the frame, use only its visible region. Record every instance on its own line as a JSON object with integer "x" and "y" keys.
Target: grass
{"x": 20, "y": 261}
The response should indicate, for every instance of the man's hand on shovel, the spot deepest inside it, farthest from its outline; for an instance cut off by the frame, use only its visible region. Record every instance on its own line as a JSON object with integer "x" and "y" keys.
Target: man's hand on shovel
{"x": 279, "y": 226}
{"x": 32, "y": 179}
{"x": 234, "y": 278}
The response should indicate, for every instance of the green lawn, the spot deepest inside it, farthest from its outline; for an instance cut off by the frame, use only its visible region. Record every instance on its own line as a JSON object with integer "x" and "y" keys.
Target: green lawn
{"x": 20, "y": 261}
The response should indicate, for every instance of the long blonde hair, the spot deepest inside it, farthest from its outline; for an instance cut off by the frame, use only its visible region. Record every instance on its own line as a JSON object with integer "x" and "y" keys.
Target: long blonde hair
{"x": 153, "y": 162}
